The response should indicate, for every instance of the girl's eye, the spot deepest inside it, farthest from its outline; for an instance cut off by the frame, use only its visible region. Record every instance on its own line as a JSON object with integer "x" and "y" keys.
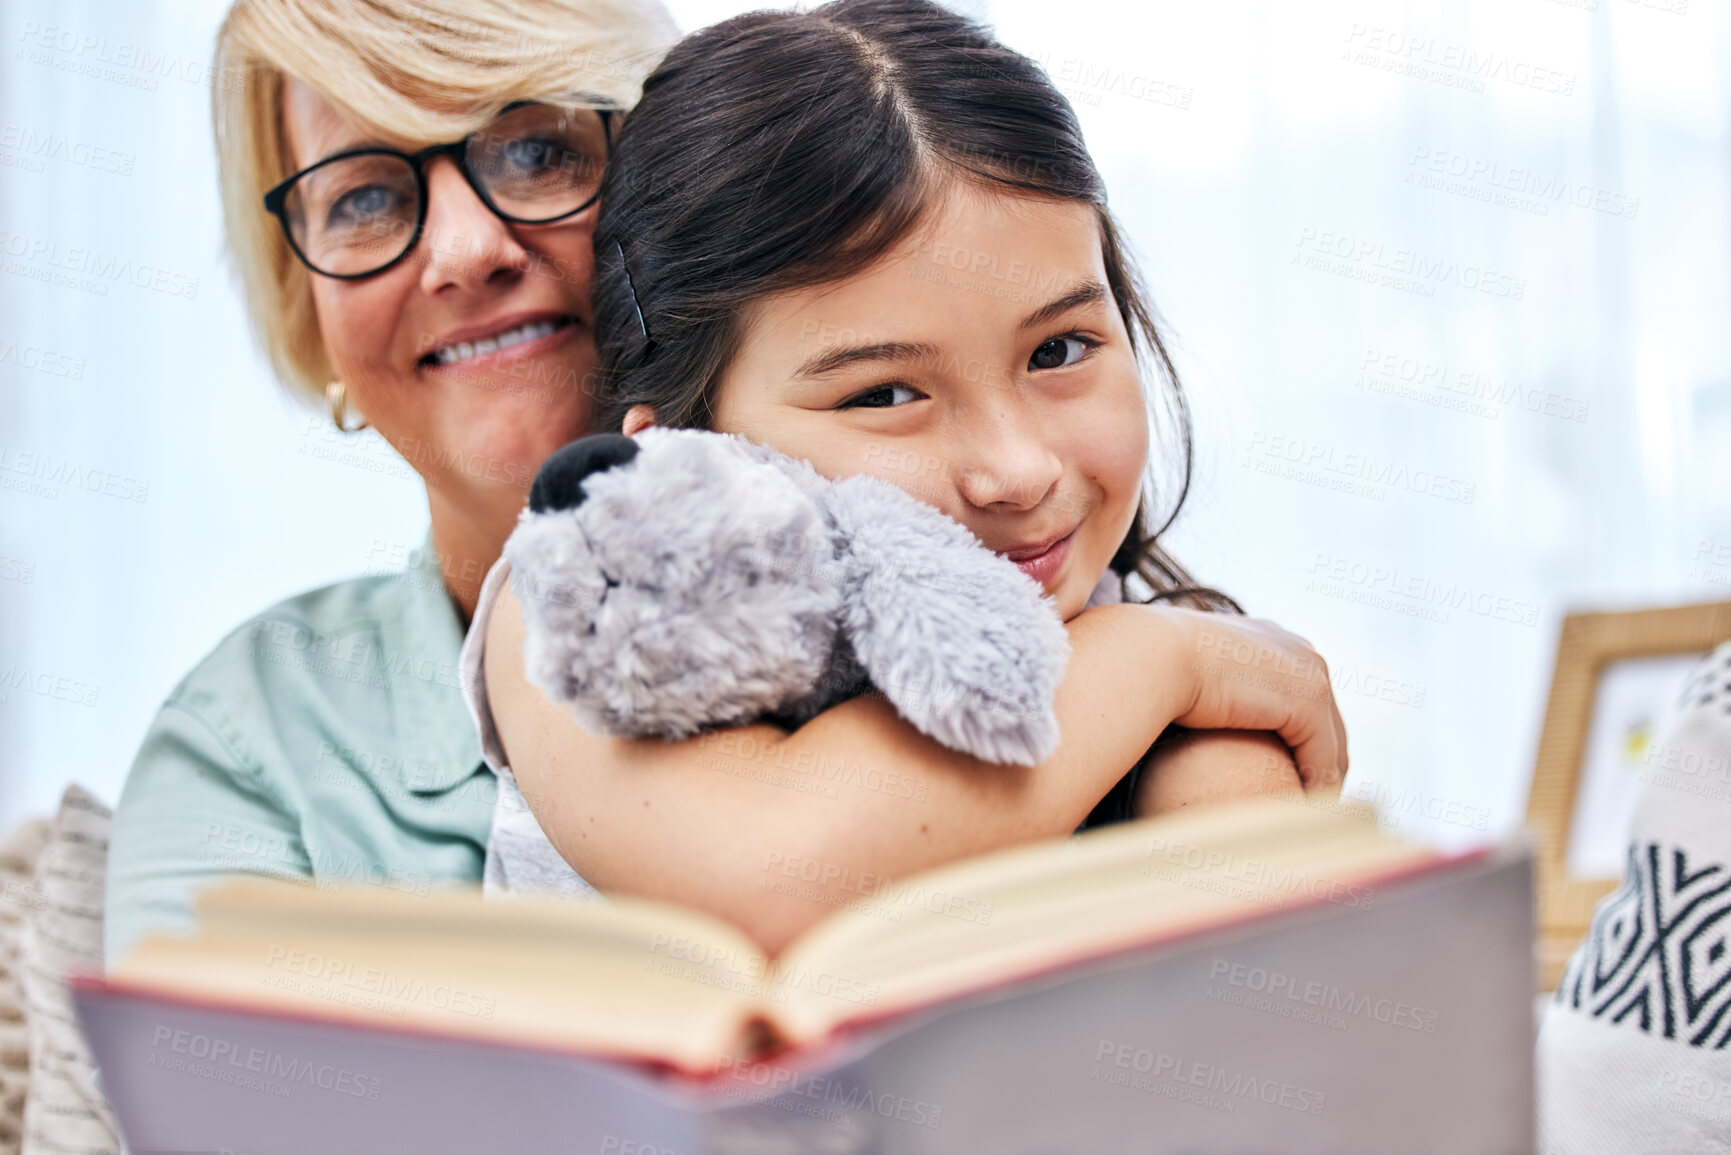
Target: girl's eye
{"x": 879, "y": 397}
{"x": 1059, "y": 352}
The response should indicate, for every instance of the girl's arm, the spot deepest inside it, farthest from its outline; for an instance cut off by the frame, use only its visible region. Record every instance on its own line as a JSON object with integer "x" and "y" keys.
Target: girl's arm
{"x": 772, "y": 830}
{"x": 1209, "y": 767}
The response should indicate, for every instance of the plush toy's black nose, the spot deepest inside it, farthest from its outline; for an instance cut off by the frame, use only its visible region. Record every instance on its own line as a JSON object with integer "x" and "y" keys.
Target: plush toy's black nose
{"x": 559, "y": 484}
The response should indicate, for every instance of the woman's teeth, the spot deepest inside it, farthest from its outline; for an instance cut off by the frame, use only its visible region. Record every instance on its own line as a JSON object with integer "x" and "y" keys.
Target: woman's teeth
{"x": 464, "y": 350}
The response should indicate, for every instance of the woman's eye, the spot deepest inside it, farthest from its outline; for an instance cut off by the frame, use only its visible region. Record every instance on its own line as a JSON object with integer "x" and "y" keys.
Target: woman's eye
{"x": 879, "y": 397}
{"x": 530, "y": 155}
{"x": 1058, "y": 352}
{"x": 364, "y": 204}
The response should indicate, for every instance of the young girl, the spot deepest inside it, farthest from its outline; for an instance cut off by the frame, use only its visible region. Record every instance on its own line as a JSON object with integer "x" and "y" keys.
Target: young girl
{"x": 871, "y": 237}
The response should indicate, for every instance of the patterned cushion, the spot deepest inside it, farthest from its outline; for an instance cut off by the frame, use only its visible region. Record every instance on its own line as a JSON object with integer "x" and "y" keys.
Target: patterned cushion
{"x": 18, "y": 855}
{"x": 1635, "y": 1053}
{"x": 65, "y": 1112}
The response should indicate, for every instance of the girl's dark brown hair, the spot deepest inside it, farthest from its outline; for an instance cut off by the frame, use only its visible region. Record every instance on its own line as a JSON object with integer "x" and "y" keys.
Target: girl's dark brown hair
{"x": 782, "y": 150}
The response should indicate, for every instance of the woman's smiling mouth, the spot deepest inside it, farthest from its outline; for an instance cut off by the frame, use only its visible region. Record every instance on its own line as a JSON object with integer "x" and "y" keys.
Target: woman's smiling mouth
{"x": 466, "y": 348}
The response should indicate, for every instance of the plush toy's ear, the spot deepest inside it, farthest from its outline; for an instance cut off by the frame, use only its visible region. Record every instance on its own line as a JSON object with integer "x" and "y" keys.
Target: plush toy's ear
{"x": 559, "y": 483}
{"x": 968, "y": 648}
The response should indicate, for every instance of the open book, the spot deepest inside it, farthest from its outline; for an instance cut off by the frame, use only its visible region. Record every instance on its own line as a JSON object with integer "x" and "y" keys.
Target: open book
{"x": 1296, "y": 947}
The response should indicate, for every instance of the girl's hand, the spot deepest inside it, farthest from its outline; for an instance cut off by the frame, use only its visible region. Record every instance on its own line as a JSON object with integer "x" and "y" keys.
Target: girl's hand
{"x": 1250, "y": 674}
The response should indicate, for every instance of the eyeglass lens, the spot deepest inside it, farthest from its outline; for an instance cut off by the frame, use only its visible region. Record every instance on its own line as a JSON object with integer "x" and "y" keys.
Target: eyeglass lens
{"x": 534, "y": 163}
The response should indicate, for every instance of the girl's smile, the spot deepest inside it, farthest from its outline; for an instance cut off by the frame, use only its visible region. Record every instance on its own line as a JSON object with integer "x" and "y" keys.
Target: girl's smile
{"x": 1042, "y": 563}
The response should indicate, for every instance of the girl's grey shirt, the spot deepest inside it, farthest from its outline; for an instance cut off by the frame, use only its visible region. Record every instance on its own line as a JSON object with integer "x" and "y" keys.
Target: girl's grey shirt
{"x": 520, "y": 858}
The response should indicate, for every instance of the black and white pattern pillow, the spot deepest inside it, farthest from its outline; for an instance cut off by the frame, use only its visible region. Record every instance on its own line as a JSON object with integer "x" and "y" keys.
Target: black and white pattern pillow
{"x": 1658, "y": 954}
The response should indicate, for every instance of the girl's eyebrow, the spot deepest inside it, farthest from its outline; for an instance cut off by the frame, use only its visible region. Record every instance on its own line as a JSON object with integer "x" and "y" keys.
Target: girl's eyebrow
{"x": 829, "y": 360}
{"x": 1087, "y": 293}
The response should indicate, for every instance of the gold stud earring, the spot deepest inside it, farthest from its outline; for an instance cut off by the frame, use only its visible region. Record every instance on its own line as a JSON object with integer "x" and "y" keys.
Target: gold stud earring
{"x": 337, "y": 397}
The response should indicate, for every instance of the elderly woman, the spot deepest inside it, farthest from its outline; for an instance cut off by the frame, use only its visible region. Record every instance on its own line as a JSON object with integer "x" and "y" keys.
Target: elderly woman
{"x": 430, "y": 168}
{"x": 410, "y": 190}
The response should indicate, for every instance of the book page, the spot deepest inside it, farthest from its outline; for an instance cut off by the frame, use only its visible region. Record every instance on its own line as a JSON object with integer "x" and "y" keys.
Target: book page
{"x": 991, "y": 919}
{"x": 634, "y": 979}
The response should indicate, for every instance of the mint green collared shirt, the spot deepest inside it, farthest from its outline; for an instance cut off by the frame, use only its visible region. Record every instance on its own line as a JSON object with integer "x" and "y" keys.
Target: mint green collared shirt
{"x": 326, "y": 738}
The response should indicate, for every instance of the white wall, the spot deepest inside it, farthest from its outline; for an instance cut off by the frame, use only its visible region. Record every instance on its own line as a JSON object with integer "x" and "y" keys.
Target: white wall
{"x": 1240, "y": 140}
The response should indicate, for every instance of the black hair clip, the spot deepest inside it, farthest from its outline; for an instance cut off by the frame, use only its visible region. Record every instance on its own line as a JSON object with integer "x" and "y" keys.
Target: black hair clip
{"x": 643, "y": 328}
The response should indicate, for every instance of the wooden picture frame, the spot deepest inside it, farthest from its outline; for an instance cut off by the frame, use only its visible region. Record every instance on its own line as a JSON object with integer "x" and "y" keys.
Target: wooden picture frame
{"x": 1588, "y": 645}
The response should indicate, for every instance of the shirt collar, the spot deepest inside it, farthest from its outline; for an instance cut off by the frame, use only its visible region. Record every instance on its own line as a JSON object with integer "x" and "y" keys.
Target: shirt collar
{"x": 440, "y": 746}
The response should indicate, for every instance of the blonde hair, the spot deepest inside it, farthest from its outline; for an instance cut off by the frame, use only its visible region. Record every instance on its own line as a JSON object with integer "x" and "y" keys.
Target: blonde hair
{"x": 410, "y": 70}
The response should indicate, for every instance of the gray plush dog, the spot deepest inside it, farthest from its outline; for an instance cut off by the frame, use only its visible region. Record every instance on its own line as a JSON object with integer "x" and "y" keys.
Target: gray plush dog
{"x": 681, "y": 580}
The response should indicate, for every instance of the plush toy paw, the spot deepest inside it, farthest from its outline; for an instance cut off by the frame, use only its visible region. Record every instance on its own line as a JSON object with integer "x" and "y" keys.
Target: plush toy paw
{"x": 681, "y": 580}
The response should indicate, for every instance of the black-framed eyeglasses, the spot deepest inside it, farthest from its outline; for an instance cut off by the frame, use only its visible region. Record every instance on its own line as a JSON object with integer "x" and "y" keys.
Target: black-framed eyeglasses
{"x": 360, "y": 212}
